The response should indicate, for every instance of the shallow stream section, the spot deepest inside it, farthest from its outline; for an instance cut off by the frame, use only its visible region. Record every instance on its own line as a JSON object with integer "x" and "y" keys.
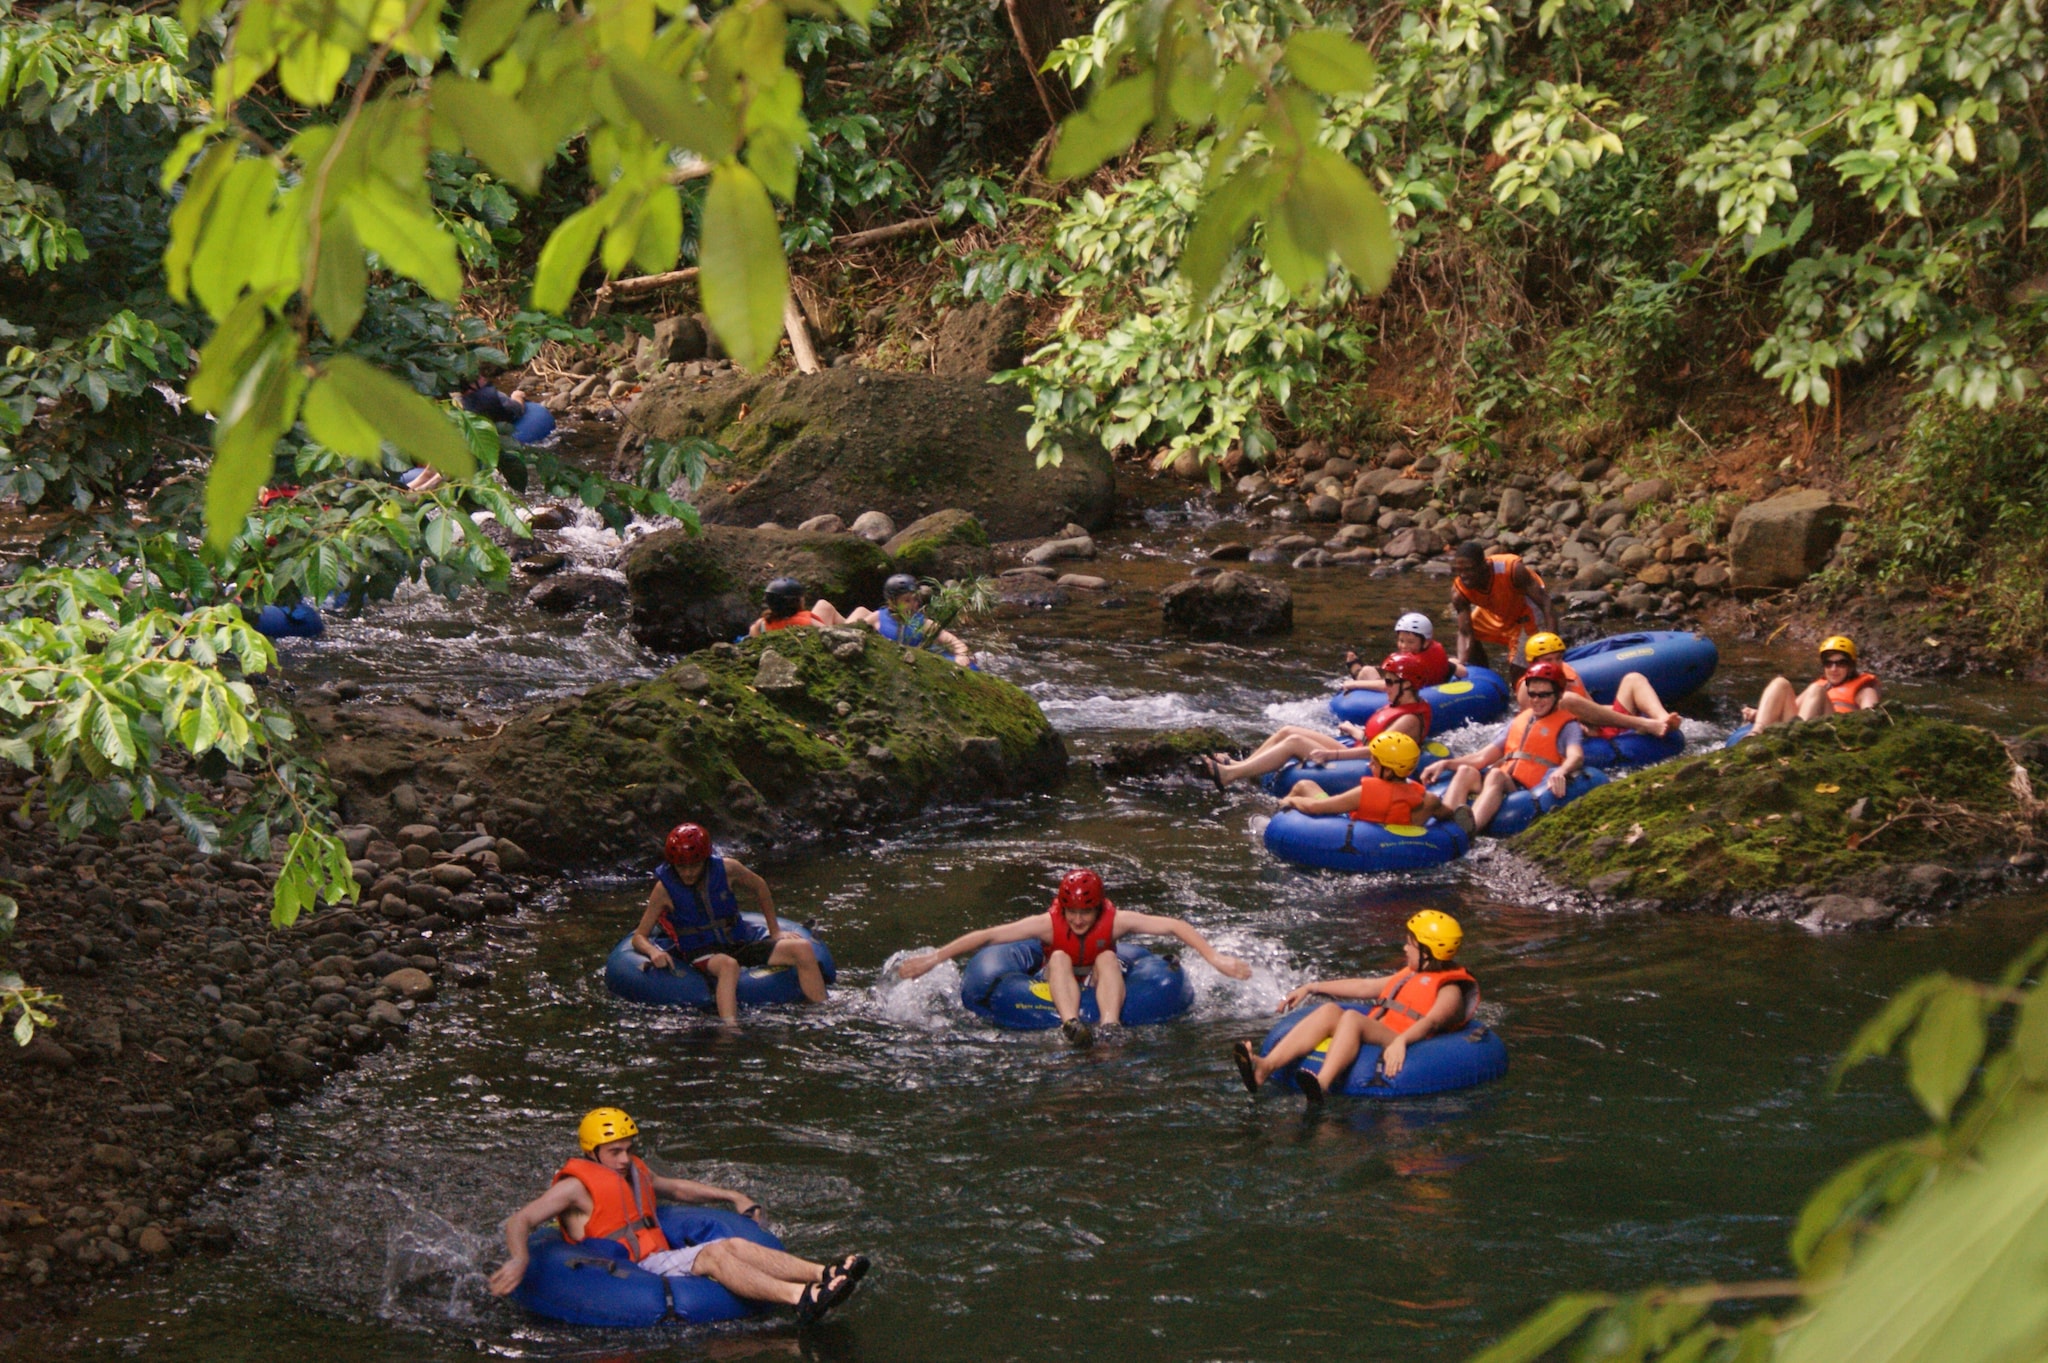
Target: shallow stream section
{"x": 1665, "y": 1114}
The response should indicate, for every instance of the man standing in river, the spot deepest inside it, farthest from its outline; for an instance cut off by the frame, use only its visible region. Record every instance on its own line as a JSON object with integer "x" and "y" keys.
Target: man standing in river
{"x": 1497, "y": 599}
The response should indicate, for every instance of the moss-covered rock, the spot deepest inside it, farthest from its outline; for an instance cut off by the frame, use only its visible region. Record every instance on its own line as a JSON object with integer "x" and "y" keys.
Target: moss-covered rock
{"x": 781, "y": 738}
{"x": 1836, "y": 805}
{"x": 690, "y": 591}
{"x": 943, "y": 544}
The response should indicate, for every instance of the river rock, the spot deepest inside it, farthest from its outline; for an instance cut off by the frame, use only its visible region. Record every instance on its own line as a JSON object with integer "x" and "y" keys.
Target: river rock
{"x": 777, "y": 676}
{"x": 1324, "y": 508}
{"x": 1054, "y": 551}
{"x": 827, "y": 524}
{"x": 676, "y": 340}
{"x": 1361, "y": 511}
{"x": 1083, "y": 582}
{"x": 802, "y": 445}
{"x": 981, "y": 338}
{"x": 1231, "y": 552}
{"x": 1412, "y": 541}
{"x": 1848, "y": 911}
{"x": 410, "y": 982}
{"x": 152, "y": 1241}
{"x": 874, "y": 527}
{"x": 597, "y": 593}
{"x": 1646, "y": 492}
{"x": 1784, "y": 541}
{"x": 1406, "y": 494}
{"x": 1228, "y": 605}
{"x": 688, "y": 591}
{"x": 1710, "y": 576}
{"x": 1514, "y": 508}
{"x": 944, "y": 544}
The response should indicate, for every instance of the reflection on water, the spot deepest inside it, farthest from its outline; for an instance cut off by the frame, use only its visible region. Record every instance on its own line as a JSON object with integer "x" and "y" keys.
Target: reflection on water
{"x": 1662, "y": 1119}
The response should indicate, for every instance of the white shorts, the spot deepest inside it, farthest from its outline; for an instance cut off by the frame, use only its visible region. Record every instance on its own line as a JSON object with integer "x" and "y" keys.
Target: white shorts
{"x": 675, "y": 1263}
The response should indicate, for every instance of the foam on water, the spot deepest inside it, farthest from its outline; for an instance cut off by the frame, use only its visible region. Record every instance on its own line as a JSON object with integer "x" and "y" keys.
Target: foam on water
{"x": 1074, "y": 709}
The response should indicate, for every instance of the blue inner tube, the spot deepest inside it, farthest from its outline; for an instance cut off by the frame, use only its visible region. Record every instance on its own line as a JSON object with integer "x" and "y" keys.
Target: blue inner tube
{"x": 1524, "y": 807}
{"x": 1632, "y": 750}
{"x": 1675, "y": 662}
{"x": 681, "y": 987}
{"x": 1005, "y": 984}
{"x": 1741, "y": 732}
{"x": 1340, "y": 775}
{"x": 1466, "y": 1058}
{"x": 1338, "y": 842}
{"x": 1479, "y": 696}
{"x": 595, "y": 1283}
{"x": 301, "y": 621}
{"x": 535, "y": 423}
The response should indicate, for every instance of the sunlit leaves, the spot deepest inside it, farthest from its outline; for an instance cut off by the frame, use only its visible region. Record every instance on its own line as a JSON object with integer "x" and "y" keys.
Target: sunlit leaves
{"x": 745, "y": 277}
{"x": 1106, "y": 127}
{"x": 417, "y": 427}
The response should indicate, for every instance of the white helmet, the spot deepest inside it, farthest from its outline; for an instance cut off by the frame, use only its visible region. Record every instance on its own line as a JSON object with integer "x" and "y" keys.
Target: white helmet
{"x": 1415, "y": 622}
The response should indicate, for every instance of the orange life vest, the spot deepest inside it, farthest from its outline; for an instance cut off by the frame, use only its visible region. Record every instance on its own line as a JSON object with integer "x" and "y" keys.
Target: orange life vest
{"x": 1407, "y": 998}
{"x": 1533, "y": 751}
{"x": 1843, "y": 697}
{"x": 622, "y": 1206}
{"x": 1501, "y": 613}
{"x": 1082, "y": 950}
{"x": 789, "y": 621}
{"x": 1384, "y": 801}
{"x": 1383, "y": 718}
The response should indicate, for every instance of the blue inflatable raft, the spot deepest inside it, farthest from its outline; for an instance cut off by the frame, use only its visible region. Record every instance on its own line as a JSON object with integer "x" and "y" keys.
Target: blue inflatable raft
{"x": 1466, "y": 1058}
{"x": 1742, "y": 731}
{"x": 1524, "y": 807}
{"x": 595, "y": 1283}
{"x": 301, "y": 621}
{"x": 1632, "y": 750}
{"x": 1673, "y": 661}
{"x": 1005, "y": 984}
{"x": 1480, "y": 695}
{"x": 1340, "y": 775}
{"x": 626, "y": 975}
{"x": 1338, "y": 842}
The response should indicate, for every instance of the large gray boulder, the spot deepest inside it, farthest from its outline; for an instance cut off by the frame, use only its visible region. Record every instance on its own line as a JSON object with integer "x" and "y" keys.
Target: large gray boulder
{"x": 689, "y": 591}
{"x": 850, "y": 439}
{"x": 1784, "y": 541}
{"x": 1228, "y": 605}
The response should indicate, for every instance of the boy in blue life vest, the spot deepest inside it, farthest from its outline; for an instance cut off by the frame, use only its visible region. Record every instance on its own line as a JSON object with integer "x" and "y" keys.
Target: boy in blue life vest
{"x": 693, "y": 916}
{"x": 903, "y": 621}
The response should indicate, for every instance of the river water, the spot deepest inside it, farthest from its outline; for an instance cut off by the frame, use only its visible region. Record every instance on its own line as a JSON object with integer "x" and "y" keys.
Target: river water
{"x": 1664, "y": 1117}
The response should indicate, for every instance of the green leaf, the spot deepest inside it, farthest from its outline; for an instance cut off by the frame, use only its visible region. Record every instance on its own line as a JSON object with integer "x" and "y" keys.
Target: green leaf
{"x": 24, "y": 1028}
{"x": 343, "y": 277}
{"x": 2030, "y": 1037}
{"x": 1546, "y": 1329}
{"x": 400, "y": 415}
{"x": 1330, "y": 63}
{"x": 1222, "y": 220}
{"x": 110, "y": 734}
{"x": 1945, "y": 1048}
{"x": 744, "y": 278}
{"x": 190, "y": 216}
{"x": 566, "y": 253}
{"x": 487, "y": 26}
{"x": 1881, "y": 1033}
{"x": 670, "y": 110}
{"x": 334, "y": 423}
{"x": 9, "y": 913}
{"x": 1353, "y": 217}
{"x": 407, "y": 238}
{"x": 262, "y": 407}
{"x": 494, "y": 129}
{"x": 1106, "y": 128}
{"x": 1844, "y": 1191}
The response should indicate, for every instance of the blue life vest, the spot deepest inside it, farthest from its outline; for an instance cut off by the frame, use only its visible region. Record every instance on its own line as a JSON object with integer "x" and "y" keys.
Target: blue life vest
{"x": 916, "y": 632}
{"x": 689, "y": 925}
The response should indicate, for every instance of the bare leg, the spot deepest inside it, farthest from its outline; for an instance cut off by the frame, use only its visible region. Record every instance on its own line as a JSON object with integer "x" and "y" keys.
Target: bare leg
{"x": 863, "y": 616}
{"x": 1302, "y": 1038}
{"x": 1813, "y": 702}
{"x": 1353, "y": 1029}
{"x": 1108, "y": 975}
{"x": 799, "y": 953}
{"x": 1066, "y": 990}
{"x": 827, "y": 613}
{"x": 1287, "y": 732}
{"x": 1298, "y": 748}
{"x": 1638, "y": 695}
{"x": 756, "y": 1271}
{"x": 725, "y": 984}
{"x": 1464, "y": 780}
{"x": 1368, "y": 679}
{"x": 1593, "y": 713}
{"x": 1495, "y": 789}
{"x": 1779, "y": 704}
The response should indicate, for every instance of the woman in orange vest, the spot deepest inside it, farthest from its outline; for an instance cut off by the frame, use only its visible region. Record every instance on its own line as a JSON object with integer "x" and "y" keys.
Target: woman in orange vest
{"x": 1842, "y": 689}
{"x": 1405, "y": 712}
{"x": 610, "y": 1193}
{"x": 1387, "y": 796}
{"x": 1637, "y": 706}
{"x": 1427, "y": 996}
{"x": 1543, "y": 744}
{"x": 1497, "y": 599}
{"x": 782, "y": 607}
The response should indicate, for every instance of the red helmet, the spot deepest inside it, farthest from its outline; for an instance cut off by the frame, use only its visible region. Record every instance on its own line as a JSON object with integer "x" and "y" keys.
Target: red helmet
{"x": 1404, "y": 667}
{"x": 687, "y": 844}
{"x": 1547, "y": 671}
{"x": 1080, "y": 890}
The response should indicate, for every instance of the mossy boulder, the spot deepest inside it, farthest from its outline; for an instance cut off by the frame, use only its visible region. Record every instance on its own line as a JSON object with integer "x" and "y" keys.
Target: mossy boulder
{"x": 1840, "y": 805}
{"x": 690, "y": 591}
{"x": 776, "y": 739}
{"x": 853, "y": 440}
{"x": 943, "y": 544}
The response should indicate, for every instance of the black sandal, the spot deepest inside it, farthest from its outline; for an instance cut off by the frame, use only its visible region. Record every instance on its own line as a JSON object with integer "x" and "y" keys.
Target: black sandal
{"x": 1211, "y": 769}
{"x": 816, "y": 1300}
{"x": 1246, "y": 1069}
{"x": 1310, "y": 1086}
{"x": 853, "y": 1268}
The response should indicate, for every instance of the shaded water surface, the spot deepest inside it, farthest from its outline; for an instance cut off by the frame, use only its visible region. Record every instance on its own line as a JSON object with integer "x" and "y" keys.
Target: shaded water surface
{"x": 1663, "y": 1118}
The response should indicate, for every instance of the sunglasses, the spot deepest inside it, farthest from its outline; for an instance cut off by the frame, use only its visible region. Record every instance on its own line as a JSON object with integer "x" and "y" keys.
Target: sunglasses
{"x": 1545, "y": 694}
{"x": 1837, "y": 660}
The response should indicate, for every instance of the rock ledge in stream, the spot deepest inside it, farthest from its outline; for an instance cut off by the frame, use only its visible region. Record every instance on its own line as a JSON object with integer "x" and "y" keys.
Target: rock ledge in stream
{"x": 690, "y": 591}
{"x": 1228, "y": 605}
{"x": 782, "y": 738}
{"x": 1847, "y": 822}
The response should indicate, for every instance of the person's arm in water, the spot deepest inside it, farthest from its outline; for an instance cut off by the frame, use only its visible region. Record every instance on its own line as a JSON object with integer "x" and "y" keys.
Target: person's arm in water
{"x": 1037, "y": 928}
{"x": 568, "y": 1195}
{"x": 657, "y": 902}
{"x": 1159, "y": 925}
{"x": 1449, "y": 1006}
{"x": 950, "y": 640}
{"x": 689, "y": 1190}
{"x": 1366, "y": 988}
{"x": 1538, "y": 597}
{"x": 740, "y": 878}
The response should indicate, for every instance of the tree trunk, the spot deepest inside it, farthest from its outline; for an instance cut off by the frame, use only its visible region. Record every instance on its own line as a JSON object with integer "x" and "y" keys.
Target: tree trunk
{"x": 1040, "y": 26}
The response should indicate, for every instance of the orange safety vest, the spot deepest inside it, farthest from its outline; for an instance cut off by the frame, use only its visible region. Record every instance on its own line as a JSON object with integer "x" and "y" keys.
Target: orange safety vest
{"x": 1407, "y": 998}
{"x": 622, "y": 1206}
{"x": 1843, "y": 697}
{"x": 1533, "y": 751}
{"x": 1384, "y": 801}
{"x": 1502, "y": 613}
{"x": 788, "y": 621}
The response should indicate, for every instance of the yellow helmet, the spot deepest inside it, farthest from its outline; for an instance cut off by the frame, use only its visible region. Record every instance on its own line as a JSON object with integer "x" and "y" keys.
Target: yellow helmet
{"x": 1838, "y": 643}
{"x": 1438, "y": 932}
{"x": 1542, "y": 646}
{"x": 1395, "y": 751}
{"x": 602, "y": 1126}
